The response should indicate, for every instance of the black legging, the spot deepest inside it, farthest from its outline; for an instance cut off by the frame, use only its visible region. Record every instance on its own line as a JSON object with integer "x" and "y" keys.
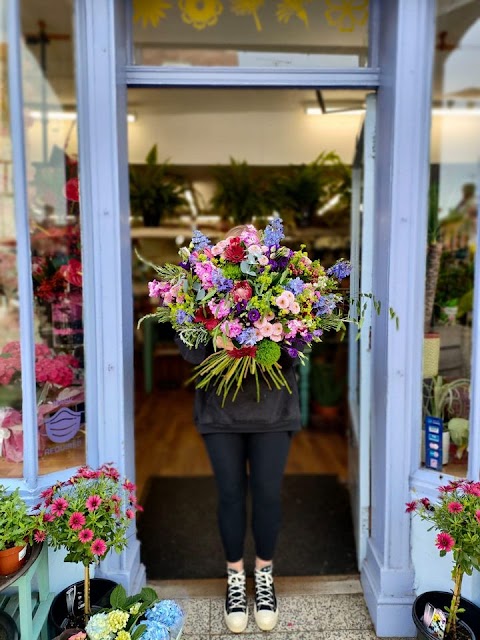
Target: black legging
{"x": 266, "y": 454}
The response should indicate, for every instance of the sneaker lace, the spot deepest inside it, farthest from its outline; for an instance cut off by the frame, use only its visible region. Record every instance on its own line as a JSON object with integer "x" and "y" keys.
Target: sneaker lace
{"x": 264, "y": 589}
{"x": 236, "y": 590}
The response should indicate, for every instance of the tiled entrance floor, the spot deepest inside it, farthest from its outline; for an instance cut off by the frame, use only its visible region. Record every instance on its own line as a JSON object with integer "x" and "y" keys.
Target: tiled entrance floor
{"x": 310, "y": 609}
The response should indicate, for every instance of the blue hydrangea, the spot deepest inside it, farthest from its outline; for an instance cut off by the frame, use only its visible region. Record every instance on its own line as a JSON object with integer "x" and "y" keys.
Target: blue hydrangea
{"x": 183, "y": 316}
{"x": 273, "y": 233}
{"x": 325, "y": 305}
{"x": 248, "y": 337}
{"x": 340, "y": 270}
{"x": 296, "y": 286}
{"x": 155, "y": 630}
{"x": 168, "y": 612}
{"x": 200, "y": 240}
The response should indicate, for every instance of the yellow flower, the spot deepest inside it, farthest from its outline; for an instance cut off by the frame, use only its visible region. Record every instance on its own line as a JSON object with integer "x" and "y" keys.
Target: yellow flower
{"x": 150, "y": 11}
{"x": 346, "y": 14}
{"x": 248, "y": 7}
{"x": 117, "y": 620}
{"x": 135, "y": 608}
{"x": 200, "y": 13}
{"x": 123, "y": 635}
{"x": 288, "y": 8}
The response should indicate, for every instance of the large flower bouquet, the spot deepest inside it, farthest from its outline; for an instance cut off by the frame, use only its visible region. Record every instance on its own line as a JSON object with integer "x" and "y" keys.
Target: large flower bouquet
{"x": 253, "y": 298}
{"x": 88, "y": 515}
{"x": 456, "y": 517}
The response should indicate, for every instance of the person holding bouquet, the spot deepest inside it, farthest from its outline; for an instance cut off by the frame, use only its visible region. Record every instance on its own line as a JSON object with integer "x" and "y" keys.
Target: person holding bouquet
{"x": 244, "y": 310}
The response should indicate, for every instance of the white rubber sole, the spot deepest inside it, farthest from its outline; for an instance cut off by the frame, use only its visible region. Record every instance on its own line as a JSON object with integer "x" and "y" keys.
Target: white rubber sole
{"x": 236, "y": 622}
{"x": 266, "y": 620}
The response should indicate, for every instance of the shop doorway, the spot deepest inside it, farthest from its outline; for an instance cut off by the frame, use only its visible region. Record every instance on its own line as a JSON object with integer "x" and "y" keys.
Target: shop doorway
{"x": 193, "y": 132}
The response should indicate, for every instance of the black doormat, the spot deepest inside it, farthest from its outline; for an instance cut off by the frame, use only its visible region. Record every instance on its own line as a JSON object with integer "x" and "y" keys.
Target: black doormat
{"x": 180, "y": 540}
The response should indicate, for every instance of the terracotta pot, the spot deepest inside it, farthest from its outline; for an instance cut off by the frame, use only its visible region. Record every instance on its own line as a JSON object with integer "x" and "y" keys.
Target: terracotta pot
{"x": 326, "y": 412}
{"x": 11, "y": 560}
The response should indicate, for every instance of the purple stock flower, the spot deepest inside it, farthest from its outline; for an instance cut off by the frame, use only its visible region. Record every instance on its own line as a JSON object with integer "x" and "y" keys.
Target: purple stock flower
{"x": 254, "y": 315}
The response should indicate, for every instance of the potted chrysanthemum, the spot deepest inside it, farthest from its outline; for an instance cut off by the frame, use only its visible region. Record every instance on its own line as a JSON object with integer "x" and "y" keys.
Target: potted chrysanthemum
{"x": 456, "y": 518}
{"x": 88, "y": 515}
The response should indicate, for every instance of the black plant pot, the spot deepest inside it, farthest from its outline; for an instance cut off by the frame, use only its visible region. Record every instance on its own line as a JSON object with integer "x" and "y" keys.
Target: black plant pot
{"x": 152, "y": 218}
{"x": 469, "y": 619}
{"x": 67, "y": 607}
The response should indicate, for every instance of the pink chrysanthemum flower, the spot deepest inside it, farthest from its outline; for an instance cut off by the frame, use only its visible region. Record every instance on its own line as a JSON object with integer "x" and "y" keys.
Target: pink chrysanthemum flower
{"x": 130, "y": 514}
{"x": 93, "y": 502}
{"x": 477, "y": 515}
{"x": 444, "y": 541}
{"x": 76, "y": 521}
{"x": 39, "y": 536}
{"x": 411, "y": 506}
{"x": 59, "y": 506}
{"x": 48, "y": 517}
{"x": 454, "y": 507}
{"x": 98, "y": 548}
{"x": 425, "y": 502}
{"x": 129, "y": 486}
{"x": 85, "y": 535}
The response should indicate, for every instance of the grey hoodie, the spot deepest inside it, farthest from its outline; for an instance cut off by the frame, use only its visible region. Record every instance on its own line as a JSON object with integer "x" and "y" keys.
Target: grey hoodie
{"x": 278, "y": 410}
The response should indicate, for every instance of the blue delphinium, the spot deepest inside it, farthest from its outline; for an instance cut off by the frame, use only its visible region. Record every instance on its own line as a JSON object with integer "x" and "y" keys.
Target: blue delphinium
{"x": 200, "y": 240}
{"x": 340, "y": 270}
{"x": 221, "y": 282}
{"x": 248, "y": 337}
{"x": 296, "y": 286}
{"x": 183, "y": 316}
{"x": 325, "y": 305}
{"x": 273, "y": 233}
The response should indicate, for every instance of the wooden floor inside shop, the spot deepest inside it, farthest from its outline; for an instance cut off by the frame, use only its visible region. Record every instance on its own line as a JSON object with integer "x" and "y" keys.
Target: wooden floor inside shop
{"x": 167, "y": 443}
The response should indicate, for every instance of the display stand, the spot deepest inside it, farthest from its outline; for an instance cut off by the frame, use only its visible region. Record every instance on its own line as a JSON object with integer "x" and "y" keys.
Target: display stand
{"x": 30, "y": 610}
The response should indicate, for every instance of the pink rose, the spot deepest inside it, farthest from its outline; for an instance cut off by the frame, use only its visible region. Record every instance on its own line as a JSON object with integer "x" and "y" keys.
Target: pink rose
{"x": 242, "y": 291}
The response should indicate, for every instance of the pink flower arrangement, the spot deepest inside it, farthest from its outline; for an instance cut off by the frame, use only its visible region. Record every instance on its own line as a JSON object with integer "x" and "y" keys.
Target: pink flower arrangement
{"x": 50, "y": 367}
{"x": 456, "y": 517}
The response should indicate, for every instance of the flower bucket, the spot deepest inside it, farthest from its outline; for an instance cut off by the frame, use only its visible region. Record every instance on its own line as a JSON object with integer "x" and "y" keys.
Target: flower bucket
{"x": 469, "y": 619}
{"x": 11, "y": 560}
{"x": 67, "y": 606}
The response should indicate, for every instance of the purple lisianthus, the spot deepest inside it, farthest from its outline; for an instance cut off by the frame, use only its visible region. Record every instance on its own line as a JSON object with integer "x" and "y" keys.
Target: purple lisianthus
{"x": 340, "y": 270}
{"x": 184, "y": 265}
{"x": 293, "y": 353}
{"x": 254, "y": 315}
{"x": 240, "y": 306}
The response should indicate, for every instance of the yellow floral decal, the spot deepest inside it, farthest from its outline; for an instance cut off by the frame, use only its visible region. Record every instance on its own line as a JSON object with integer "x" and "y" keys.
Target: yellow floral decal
{"x": 200, "y": 13}
{"x": 288, "y": 8}
{"x": 346, "y": 14}
{"x": 248, "y": 8}
{"x": 150, "y": 11}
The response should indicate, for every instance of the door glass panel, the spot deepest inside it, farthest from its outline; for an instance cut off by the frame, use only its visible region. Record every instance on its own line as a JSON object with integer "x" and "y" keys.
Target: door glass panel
{"x": 452, "y": 235}
{"x": 251, "y": 33}
{"x": 55, "y": 226}
{"x": 10, "y": 369}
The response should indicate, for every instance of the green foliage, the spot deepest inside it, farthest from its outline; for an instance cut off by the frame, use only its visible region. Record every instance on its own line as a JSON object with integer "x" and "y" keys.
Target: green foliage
{"x": 433, "y": 224}
{"x": 305, "y": 188}
{"x": 443, "y": 399}
{"x": 455, "y": 279}
{"x": 17, "y": 525}
{"x": 239, "y": 195}
{"x": 154, "y": 190}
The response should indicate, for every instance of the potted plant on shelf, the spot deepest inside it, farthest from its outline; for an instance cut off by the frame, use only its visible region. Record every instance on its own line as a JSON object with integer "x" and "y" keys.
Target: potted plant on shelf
{"x": 88, "y": 515}
{"x": 154, "y": 190}
{"x": 456, "y": 518}
{"x": 444, "y": 400}
{"x": 326, "y": 391}
{"x": 239, "y": 195}
{"x": 303, "y": 189}
{"x": 18, "y": 528}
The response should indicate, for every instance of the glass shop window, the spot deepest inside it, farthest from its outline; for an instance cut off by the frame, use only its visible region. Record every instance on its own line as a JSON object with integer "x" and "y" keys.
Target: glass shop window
{"x": 452, "y": 238}
{"x": 251, "y": 33}
{"x": 55, "y": 219}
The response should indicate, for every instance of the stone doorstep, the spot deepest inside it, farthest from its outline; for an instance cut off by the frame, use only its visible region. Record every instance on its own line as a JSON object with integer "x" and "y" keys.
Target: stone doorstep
{"x": 284, "y": 586}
